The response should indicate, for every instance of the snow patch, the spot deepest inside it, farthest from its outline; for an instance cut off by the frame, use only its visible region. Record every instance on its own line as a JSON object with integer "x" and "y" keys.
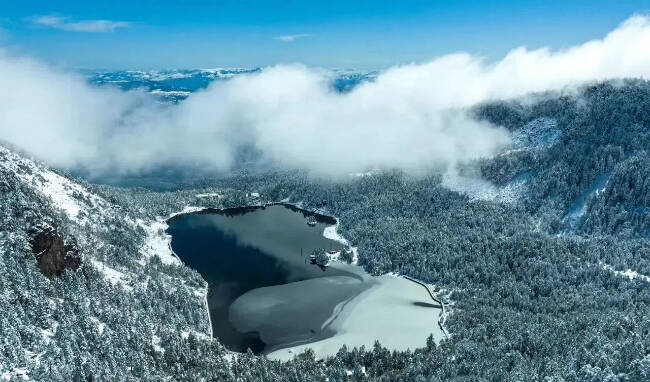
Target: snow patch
{"x": 48, "y": 333}
{"x": 378, "y": 313}
{"x": 209, "y": 195}
{"x": 170, "y": 93}
{"x": 110, "y": 274}
{"x": 158, "y": 242}
{"x": 186, "y": 210}
{"x": 479, "y": 189}
{"x": 67, "y": 196}
{"x": 361, "y": 174}
{"x": 18, "y": 372}
{"x": 542, "y": 132}
{"x": 185, "y": 334}
{"x": 330, "y": 232}
{"x": 56, "y": 187}
{"x": 155, "y": 342}
{"x": 628, "y": 273}
{"x": 100, "y": 325}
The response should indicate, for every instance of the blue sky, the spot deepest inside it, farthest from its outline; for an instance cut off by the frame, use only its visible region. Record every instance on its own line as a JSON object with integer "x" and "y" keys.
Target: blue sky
{"x": 352, "y": 34}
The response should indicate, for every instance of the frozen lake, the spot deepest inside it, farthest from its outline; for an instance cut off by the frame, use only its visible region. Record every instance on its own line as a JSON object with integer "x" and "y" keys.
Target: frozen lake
{"x": 265, "y": 295}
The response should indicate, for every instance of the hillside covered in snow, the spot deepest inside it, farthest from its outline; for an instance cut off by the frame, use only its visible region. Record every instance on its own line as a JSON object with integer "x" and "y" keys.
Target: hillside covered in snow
{"x": 124, "y": 294}
{"x": 541, "y": 250}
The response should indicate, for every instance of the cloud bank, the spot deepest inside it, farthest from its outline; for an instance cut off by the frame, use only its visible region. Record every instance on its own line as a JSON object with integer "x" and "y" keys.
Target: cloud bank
{"x": 411, "y": 117}
{"x": 291, "y": 37}
{"x": 93, "y": 26}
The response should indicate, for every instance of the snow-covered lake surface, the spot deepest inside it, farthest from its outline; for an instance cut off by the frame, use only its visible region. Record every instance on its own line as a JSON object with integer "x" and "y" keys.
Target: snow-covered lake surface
{"x": 264, "y": 293}
{"x": 393, "y": 310}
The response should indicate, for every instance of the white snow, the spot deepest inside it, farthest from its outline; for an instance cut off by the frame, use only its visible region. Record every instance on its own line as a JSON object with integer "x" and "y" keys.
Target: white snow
{"x": 86, "y": 209}
{"x": 20, "y": 372}
{"x": 542, "y": 132}
{"x": 334, "y": 256}
{"x": 209, "y": 195}
{"x": 100, "y": 325}
{"x": 330, "y": 232}
{"x": 185, "y": 334}
{"x": 230, "y": 357}
{"x": 111, "y": 275}
{"x": 158, "y": 242}
{"x": 480, "y": 189}
{"x": 170, "y": 93}
{"x": 385, "y": 312}
{"x": 49, "y": 332}
{"x": 186, "y": 210}
{"x": 628, "y": 273}
{"x": 59, "y": 189}
{"x": 633, "y": 275}
{"x": 155, "y": 341}
{"x": 361, "y": 174}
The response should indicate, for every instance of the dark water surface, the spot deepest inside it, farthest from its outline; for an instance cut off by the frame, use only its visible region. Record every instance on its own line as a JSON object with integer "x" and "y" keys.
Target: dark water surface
{"x": 241, "y": 250}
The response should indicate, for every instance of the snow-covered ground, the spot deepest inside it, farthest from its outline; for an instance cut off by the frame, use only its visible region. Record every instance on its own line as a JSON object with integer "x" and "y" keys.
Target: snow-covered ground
{"x": 542, "y": 132}
{"x": 330, "y": 232}
{"x": 360, "y": 174}
{"x": 111, "y": 275}
{"x": 70, "y": 197}
{"x": 170, "y": 93}
{"x": 90, "y": 216}
{"x": 209, "y": 195}
{"x": 158, "y": 242}
{"x": 386, "y": 312}
{"x": 19, "y": 372}
{"x": 480, "y": 189}
{"x": 85, "y": 209}
{"x": 628, "y": 273}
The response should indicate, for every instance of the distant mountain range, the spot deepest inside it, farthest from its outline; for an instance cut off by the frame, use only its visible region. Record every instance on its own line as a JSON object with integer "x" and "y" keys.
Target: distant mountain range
{"x": 175, "y": 85}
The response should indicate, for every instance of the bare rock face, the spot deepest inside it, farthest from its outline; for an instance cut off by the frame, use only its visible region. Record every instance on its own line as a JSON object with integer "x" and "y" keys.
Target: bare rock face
{"x": 54, "y": 255}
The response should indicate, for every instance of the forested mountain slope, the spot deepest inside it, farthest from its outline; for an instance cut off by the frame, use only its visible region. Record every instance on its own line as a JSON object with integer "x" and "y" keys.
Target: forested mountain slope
{"x": 544, "y": 259}
{"x": 105, "y": 315}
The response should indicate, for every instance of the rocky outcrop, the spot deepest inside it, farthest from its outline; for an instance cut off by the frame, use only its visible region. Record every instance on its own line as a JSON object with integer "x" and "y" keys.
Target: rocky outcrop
{"x": 53, "y": 254}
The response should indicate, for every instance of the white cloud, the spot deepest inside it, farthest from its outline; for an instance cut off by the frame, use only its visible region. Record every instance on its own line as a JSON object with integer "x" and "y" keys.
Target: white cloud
{"x": 291, "y": 37}
{"x": 95, "y": 26}
{"x": 411, "y": 117}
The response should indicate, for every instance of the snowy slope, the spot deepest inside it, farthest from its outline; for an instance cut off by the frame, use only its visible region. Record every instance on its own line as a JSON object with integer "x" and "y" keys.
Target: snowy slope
{"x": 82, "y": 207}
{"x": 116, "y": 245}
